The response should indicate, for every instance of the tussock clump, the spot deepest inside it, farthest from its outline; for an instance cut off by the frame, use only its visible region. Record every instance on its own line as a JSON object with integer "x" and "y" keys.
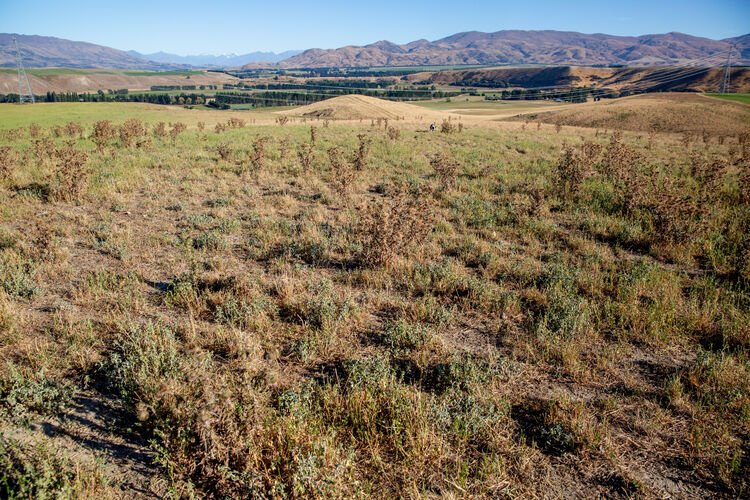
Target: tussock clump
{"x": 220, "y": 127}
{"x": 392, "y": 226}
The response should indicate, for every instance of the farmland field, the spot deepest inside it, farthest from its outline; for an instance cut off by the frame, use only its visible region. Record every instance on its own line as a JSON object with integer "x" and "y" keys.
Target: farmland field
{"x": 743, "y": 98}
{"x": 265, "y": 304}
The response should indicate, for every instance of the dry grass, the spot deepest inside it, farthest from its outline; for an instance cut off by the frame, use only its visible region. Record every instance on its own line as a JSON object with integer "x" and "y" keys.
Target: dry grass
{"x": 504, "y": 312}
{"x": 695, "y": 114}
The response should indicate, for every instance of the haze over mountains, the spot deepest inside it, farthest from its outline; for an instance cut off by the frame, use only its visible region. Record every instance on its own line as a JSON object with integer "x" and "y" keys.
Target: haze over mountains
{"x": 469, "y": 48}
{"x": 220, "y": 61}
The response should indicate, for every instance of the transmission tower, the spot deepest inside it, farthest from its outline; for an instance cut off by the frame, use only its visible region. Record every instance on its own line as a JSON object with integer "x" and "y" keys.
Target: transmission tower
{"x": 24, "y": 87}
{"x": 727, "y": 71}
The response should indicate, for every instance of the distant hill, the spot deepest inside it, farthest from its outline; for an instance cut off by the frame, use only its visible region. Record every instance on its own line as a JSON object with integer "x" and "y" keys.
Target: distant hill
{"x": 47, "y": 51}
{"x": 527, "y": 47}
{"x": 220, "y": 61}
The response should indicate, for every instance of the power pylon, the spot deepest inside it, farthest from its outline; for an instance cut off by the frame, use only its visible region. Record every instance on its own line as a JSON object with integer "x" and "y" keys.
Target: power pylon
{"x": 727, "y": 71}
{"x": 24, "y": 87}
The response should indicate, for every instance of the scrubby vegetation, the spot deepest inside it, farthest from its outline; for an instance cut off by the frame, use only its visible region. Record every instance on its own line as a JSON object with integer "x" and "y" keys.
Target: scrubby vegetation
{"x": 347, "y": 311}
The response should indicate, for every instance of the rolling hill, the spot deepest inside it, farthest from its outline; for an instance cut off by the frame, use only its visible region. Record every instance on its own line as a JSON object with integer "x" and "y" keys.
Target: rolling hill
{"x": 51, "y": 52}
{"x": 526, "y": 47}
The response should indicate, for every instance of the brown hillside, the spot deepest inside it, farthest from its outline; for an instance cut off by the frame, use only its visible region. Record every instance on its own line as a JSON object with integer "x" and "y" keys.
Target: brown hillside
{"x": 358, "y": 107}
{"x": 620, "y": 79}
{"x": 655, "y": 112}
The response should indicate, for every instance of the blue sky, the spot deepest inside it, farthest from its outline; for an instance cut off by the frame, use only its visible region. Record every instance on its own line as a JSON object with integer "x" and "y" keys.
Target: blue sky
{"x": 191, "y": 27}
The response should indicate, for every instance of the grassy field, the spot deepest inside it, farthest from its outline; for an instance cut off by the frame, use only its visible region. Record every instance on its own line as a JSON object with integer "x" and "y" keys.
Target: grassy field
{"x": 357, "y": 309}
{"x": 478, "y": 106}
{"x": 49, "y": 114}
{"x": 743, "y": 98}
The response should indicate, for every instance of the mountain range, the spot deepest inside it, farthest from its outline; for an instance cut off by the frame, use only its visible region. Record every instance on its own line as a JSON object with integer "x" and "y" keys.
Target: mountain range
{"x": 468, "y": 48}
{"x": 51, "y": 52}
{"x": 529, "y": 47}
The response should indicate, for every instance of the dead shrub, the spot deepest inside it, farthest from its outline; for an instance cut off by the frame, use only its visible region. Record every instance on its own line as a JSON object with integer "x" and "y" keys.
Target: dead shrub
{"x": 673, "y": 211}
{"x": 392, "y": 226}
{"x": 306, "y": 155}
{"x": 160, "y": 129}
{"x": 224, "y": 151}
{"x": 394, "y": 133}
{"x": 69, "y": 180}
{"x": 620, "y": 165}
{"x": 362, "y": 152}
{"x": 343, "y": 171}
{"x": 74, "y": 129}
{"x": 56, "y": 131}
{"x": 8, "y": 159}
{"x": 447, "y": 127}
{"x": 130, "y": 131}
{"x": 236, "y": 123}
{"x": 709, "y": 175}
{"x": 313, "y": 134}
{"x": 446, "y": 169}
{"x": 103, "y": 132}
{"x": 201, "y": 126}
{"x": 34, "y": 130}
{"x": 572, "y": 169}
{"x": 258, "y": 155}
{"x": 284, "y": 146}
{"x": 43, "y": 151}
{"x": 220, "y": 127}
{"x": 282, "y": 120}
{"x": 177, "y": 129}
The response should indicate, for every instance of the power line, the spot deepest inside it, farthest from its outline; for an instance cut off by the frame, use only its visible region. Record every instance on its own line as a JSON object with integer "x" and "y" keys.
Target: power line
{"x": 24, "y": 87}
{"x": 725, "y": 87}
